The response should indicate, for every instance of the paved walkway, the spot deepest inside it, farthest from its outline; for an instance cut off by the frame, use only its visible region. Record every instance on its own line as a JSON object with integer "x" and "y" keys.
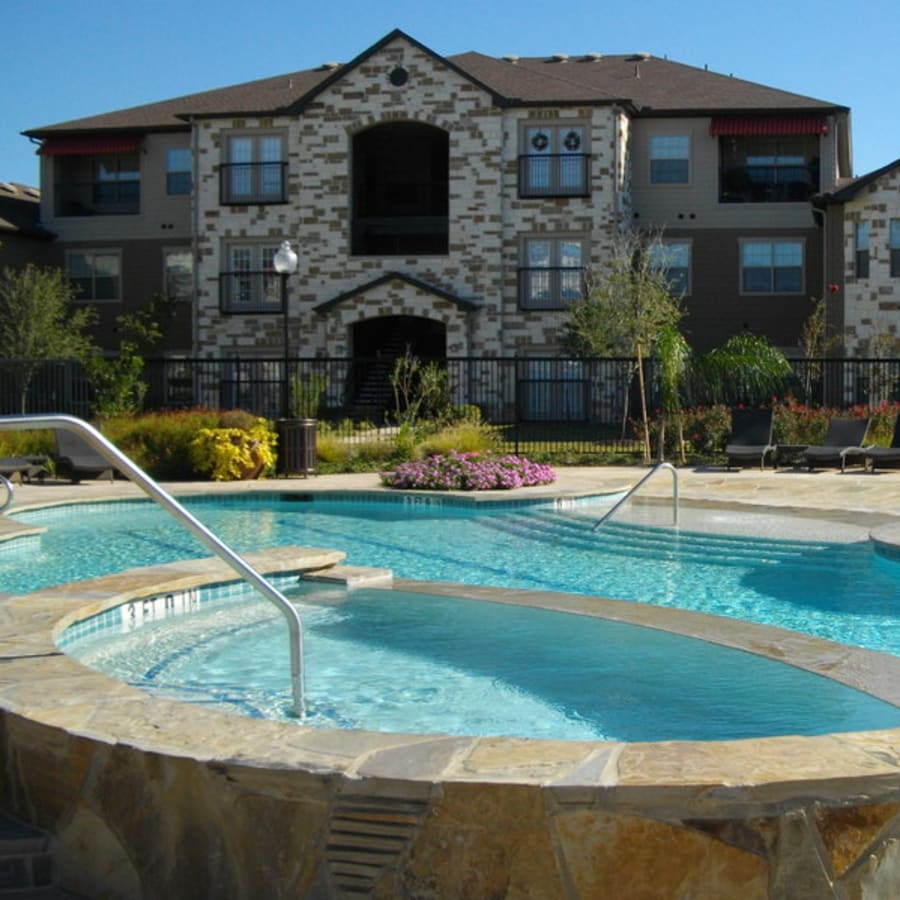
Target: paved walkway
{"x": 853, "y": 492}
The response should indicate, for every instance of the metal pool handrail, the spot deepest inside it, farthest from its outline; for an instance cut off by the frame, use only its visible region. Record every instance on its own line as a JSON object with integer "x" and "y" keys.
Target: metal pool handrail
{"x": 7, "y": 486}
{"x": 663, "y": 465}
{"x": 113, "y": 455}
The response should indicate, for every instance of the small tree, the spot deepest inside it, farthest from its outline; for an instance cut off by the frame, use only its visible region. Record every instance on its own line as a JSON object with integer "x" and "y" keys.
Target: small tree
{"x": 38, "y": 322}
{"x": 747, "y": 368}
{"x": 673, "y": 356}
{"x": 815, "y": 343}
{"x": 628, "y": 304}
{"x": 117, "y": 380}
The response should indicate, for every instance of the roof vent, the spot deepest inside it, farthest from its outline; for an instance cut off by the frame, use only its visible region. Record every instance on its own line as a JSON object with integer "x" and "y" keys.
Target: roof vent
{"x": 331, "y": 65}
{"x": 560, "y": 57}
{"x": 640, "y": 57}
{"x": 593, "y": 57}
{"x": 6, "y": 186}
{"x": 511, "y": 59}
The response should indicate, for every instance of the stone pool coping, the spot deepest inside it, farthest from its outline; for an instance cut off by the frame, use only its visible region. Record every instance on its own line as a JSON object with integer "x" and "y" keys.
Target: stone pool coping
{"x": 147, "y": 797}
{"x": 48, "y": 687}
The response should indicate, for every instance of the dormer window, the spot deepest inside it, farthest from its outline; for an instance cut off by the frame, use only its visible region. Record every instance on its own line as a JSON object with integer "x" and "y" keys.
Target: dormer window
{"x": 554, "y": 161}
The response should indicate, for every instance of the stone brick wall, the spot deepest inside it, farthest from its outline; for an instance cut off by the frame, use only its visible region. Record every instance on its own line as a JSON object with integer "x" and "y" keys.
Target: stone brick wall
{"x": 487, "y": 218}
{"x": 872, "y": 305}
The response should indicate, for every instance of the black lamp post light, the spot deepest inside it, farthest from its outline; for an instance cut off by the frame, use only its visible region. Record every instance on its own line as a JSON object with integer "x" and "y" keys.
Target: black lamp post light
{"x": 296, "y": 437}
{"x": 285, "y": 263}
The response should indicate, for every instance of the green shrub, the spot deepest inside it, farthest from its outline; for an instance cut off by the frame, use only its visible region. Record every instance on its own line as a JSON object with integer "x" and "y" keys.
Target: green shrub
{"x": 26, "y": 443}
{"x": 160, "y": 442}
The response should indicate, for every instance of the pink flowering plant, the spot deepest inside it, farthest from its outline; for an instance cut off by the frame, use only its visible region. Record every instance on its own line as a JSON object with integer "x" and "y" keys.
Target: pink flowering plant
{"x": 473, "y": 471}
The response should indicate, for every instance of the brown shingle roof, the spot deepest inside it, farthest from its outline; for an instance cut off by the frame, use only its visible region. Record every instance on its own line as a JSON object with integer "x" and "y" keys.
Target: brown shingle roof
{"x": 648, "y": 84}
{"x": 20, "y": 208}
{"x": 852, "y": 188}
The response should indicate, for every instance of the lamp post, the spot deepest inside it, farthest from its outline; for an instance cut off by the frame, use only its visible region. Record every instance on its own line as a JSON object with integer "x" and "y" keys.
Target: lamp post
{"x": 285, "y": 263}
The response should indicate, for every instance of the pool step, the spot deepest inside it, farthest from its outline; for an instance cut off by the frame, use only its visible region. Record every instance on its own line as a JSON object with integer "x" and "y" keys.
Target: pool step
{"x": 352, "y": 577}
{"x": 27, "y": 871}
{"x": 664, "y": 543}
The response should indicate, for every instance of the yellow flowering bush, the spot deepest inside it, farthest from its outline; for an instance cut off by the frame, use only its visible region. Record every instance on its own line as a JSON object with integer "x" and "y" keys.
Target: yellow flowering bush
{"x": 229, "y": 454}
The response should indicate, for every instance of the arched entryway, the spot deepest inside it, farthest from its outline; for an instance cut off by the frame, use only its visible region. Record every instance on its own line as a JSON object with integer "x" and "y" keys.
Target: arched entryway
{"x": 377, "y": 344}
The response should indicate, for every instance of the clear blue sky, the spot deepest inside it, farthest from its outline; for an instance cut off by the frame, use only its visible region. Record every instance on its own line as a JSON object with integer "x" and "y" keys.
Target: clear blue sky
{"x": 65, "y": 59}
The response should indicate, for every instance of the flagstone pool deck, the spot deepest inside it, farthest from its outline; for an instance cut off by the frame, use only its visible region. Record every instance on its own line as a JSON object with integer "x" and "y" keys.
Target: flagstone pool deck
{"x": 150, "y": 798}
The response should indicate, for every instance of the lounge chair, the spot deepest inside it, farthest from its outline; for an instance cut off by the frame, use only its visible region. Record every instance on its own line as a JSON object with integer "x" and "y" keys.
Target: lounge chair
{"x": 23, "y": 468}
{"x": 751, "y": 437}
{"x": 843, "y": 441}
{"x": 76, "y": 459}
{"x": 885, "y": 455}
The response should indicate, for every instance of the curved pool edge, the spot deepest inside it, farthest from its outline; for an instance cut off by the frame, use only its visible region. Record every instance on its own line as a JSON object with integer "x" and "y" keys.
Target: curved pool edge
{"x": 96, "y": 762}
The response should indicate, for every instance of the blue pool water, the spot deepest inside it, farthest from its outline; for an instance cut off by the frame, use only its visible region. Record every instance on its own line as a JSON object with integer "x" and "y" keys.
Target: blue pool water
{"x": 840, "y": 591}
{"x": 490, "y": 669}
{"x": 401, "y": 662}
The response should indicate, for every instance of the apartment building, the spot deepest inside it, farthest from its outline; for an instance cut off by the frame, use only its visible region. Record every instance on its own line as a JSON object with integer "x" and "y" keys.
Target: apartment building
{"x": 450, "y": 204}
{"x": 863, "y": 237}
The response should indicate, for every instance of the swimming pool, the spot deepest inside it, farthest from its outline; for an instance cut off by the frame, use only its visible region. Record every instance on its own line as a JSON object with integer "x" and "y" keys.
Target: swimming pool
{"x": 839, "y": 589}
{"x": 460, "y": 816}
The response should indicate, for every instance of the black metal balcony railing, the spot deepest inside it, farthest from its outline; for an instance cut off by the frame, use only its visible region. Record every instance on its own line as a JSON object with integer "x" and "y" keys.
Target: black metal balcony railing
{"x": 550, "y": 287}
{"x": 767, "y": 184}
{"x": 263, "y": 182}
{"x": 97, "y": 198}
{"x": 554, "y": 175}
{"x": 250, "y": 292}
{"x": 400, "y": 235}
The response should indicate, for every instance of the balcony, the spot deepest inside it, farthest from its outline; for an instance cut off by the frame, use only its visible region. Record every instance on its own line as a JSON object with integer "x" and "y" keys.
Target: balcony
{"x": 245, "y": 183}
{"x": 247, "y": 292}
{"x": 97, "y": 198}
{"x": 767, "y": 184}
{"x": 554, "y": 175}
{"x": 401, "y": 218}
{"x": 550, "y": 287}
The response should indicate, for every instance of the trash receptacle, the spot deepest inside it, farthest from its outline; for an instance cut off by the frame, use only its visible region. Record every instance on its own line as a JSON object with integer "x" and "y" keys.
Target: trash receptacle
{"x": 296, "y": 446}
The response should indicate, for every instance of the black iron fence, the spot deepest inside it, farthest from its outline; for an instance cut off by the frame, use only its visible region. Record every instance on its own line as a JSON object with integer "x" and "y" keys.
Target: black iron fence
{"x": 584, "y": 403}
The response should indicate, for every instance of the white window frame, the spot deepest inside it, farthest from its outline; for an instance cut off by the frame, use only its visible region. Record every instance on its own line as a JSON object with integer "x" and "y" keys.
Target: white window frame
{"x": 544, "y": 149}
{"x": 185, "y": 294}
{"x": 771, "y": 264}
{"x": 894, "y": 247}
{"x": 861, "y": 255}
{"x": 179, "y": 163}
{"x": 257, "y": 291}
{"x": 664, "y": 250}
{"x": 667, "y": 153}
{"x": 557, "y": 279}
{"x": 253, "y": 172}
{"x": 91, "y": 254}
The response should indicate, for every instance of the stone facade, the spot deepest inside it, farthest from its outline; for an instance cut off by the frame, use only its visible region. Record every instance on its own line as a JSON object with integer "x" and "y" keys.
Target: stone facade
{"x": 872, "y": 302}
{"x": 488, "y": 220}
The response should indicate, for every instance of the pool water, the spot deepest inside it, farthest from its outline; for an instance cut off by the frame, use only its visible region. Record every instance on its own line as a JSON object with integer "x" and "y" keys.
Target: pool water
{"x": 841, "y": 591}
{"x": 400, "y": 662}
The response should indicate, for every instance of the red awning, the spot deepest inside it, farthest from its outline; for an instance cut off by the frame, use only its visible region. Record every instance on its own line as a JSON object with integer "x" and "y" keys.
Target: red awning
{"x": 768, "y": 125}
{"x": 96, "y": 143}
